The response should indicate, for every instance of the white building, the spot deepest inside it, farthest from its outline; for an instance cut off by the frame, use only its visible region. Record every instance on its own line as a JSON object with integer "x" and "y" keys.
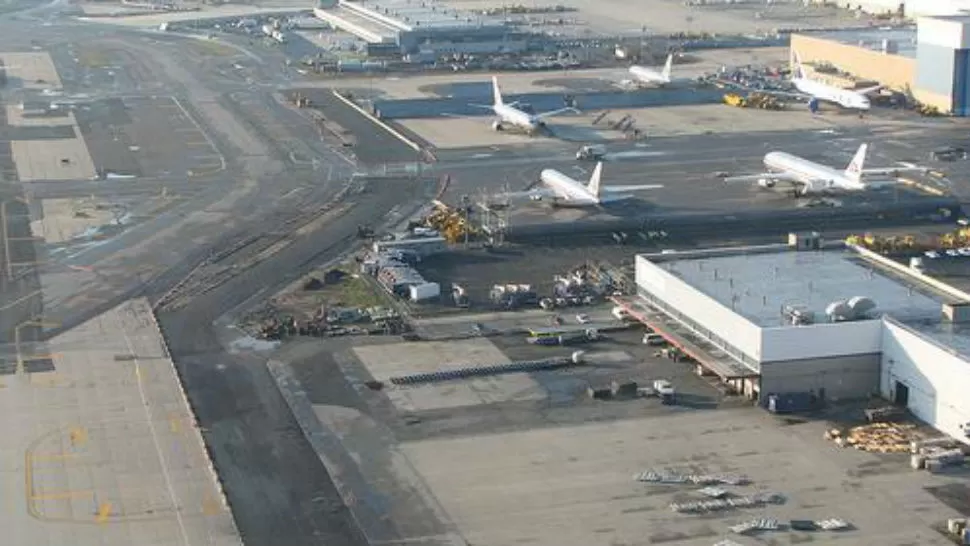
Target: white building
{"x": 842, "y": 323}
{"x": 909, "y": 8}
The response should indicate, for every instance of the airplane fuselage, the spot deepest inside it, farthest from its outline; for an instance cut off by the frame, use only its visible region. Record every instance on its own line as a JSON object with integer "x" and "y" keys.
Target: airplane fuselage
{"x": 815, "y": 175}
{"x": 567, "y": 189}
{"x": 514, "y": 116}
{"x": 647, "y": 75}
{"x": 822, "y": 91}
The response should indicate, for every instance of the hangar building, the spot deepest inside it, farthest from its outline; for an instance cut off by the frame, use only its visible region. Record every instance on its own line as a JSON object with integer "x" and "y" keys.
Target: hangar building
{"x": 411, "y": 28}
{"x": 838, "y": 321}
{"x": 929, "y": 61}
{"x": 908, "y": 8}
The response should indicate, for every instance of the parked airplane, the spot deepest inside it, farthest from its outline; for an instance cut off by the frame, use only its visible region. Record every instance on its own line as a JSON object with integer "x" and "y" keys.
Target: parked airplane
{"x": 648, "y": 75}
{"x": 805, "y": 177}
{"x": 509, "y": 115}
{"x": 853, "y": 99}
{"x": 565, "y": 191}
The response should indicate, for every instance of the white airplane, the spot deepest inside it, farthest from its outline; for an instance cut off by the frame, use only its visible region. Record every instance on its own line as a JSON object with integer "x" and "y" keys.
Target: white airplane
{"x": 509, "y": 115}
{"x": 853, "y": 99}
{"x": 645, "y": 74}
{"x": 565, "y": 191}
{"x": 805, "y": 177}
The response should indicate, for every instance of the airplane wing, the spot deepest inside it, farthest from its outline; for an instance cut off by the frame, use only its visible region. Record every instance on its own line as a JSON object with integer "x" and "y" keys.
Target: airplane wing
{"x": 533, "y": 194}
{"x": 777, "y": 177}
{"x": 893, "y": 171}
{"x": 556, "y": 112}
{"x": 867, "y": 90}
{"x": 627, "y": 189}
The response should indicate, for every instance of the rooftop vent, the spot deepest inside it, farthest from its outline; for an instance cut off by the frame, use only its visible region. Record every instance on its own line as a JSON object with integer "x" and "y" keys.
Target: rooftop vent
{"x": 855, "y": 308}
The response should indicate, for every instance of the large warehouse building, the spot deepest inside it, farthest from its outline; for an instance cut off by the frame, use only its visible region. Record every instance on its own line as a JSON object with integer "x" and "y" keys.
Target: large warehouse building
{"x": 407, "y": 28}
{"x": 929, "y": 61}
{"x": 839, "y": 322}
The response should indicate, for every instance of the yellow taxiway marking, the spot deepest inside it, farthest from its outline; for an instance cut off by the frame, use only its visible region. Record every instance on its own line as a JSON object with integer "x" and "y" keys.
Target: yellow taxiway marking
{"x": 62, "y": 495}
{"x": 104, "y": 512}
{"x": 54, "y": 456}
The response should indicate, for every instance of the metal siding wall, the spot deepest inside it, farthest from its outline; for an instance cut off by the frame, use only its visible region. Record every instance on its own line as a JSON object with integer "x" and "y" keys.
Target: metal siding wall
{"x": 705, "y": 311}
{"x": 843, "y": 377}
{"x": 960, "y": 106}
{"x": 895, "y": 71}
{"x": 938, "y": 380}
{"x": 935, "y": 69}
{"x": 821, "y": 340}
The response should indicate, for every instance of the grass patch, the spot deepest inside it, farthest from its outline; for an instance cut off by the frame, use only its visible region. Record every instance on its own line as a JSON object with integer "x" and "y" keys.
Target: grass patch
{"x": 94, "y": 58}
{"x": 352, "y": 292}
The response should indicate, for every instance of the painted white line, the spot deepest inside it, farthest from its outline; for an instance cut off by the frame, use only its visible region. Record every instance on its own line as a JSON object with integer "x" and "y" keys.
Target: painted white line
{"x": 158, "y": 447}
{"x": 413, "y": 145}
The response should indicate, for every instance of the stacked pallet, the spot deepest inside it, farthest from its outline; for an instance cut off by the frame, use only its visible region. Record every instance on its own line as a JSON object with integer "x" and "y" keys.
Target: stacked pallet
{"x": 876, "y": 437}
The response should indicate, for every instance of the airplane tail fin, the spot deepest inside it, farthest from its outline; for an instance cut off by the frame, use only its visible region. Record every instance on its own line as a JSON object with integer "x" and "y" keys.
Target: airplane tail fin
{"x": 667, "y": 67}
{"x": 496, "y": 92}
{"x": 799, "y": 71}
{"x": 594, "y": 181}
{"x": 854, "y": 170}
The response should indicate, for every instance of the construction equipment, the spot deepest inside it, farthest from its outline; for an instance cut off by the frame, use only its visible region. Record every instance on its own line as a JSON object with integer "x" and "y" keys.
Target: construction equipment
{"x": 754, "y": 100}
{"x": 451, "y": 223}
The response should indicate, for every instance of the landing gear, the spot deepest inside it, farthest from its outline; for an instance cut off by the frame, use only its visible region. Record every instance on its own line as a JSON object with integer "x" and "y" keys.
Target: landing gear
{"x": 497, "y": 126}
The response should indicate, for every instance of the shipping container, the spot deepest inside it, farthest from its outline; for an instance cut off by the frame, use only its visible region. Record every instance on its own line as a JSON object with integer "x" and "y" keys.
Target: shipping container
{"x": 425, "y": 291}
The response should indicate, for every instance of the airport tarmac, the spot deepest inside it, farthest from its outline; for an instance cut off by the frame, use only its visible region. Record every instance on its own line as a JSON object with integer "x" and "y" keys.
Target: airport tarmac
{"x": 473, "y": 132}
{"x": 469, "y": 85}
{"x": 101, "y": 446}
{"x": 444, "y": 458}
{"x": 663, "y": 17}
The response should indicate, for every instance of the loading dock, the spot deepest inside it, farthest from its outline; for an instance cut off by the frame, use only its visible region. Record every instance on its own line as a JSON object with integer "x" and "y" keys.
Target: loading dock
{"x": 710, "y": 360}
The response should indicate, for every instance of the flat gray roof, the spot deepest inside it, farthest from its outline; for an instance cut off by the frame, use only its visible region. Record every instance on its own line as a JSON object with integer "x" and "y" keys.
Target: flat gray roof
{"x": 759, "y": 286}
{"x": 425, "y": 14}
{"x": 872, "y": 38}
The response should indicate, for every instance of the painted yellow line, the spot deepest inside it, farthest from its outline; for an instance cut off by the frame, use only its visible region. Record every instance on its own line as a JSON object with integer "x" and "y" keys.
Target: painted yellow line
{"x": 104, "y": 512}
{"x": 79, "y": 436}
{"x": 62, "y": 495}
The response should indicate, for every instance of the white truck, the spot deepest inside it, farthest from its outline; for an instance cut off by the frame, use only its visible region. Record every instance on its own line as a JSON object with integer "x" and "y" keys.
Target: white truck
{"x": 591, "y": 153}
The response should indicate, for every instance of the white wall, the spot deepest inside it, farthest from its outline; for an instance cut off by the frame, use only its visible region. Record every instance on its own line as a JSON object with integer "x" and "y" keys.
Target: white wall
{"x": 706, "y": 311}
{"x": 821, "y": 340}
{"x": 915, "y": 8}
{"x": 941, "y": 32}
{"x": 938, "y": 380}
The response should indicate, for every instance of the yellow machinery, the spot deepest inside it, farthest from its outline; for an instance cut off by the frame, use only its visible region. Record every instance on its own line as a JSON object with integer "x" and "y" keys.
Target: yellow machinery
{"x": 763, "y": 101}
{"x": 450, "y": 223}
{"x": 733, "y": 99}
{"x": 959, "y": 238}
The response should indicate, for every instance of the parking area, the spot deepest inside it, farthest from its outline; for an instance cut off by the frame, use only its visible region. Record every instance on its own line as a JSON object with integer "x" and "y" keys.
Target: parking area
{"x": 147, "y": 136}
{"x": 575, "y": 484}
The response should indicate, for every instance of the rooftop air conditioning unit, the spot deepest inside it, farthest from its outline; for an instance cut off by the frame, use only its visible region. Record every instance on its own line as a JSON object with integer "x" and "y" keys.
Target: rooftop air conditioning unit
{"x": 861, "y": 306}
{"x": 839, "y": 311}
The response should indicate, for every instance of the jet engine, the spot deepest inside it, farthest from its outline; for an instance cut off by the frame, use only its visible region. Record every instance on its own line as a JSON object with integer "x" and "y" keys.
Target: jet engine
{"x": 766, "y": 182}
{"x": 497, "y": 125}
